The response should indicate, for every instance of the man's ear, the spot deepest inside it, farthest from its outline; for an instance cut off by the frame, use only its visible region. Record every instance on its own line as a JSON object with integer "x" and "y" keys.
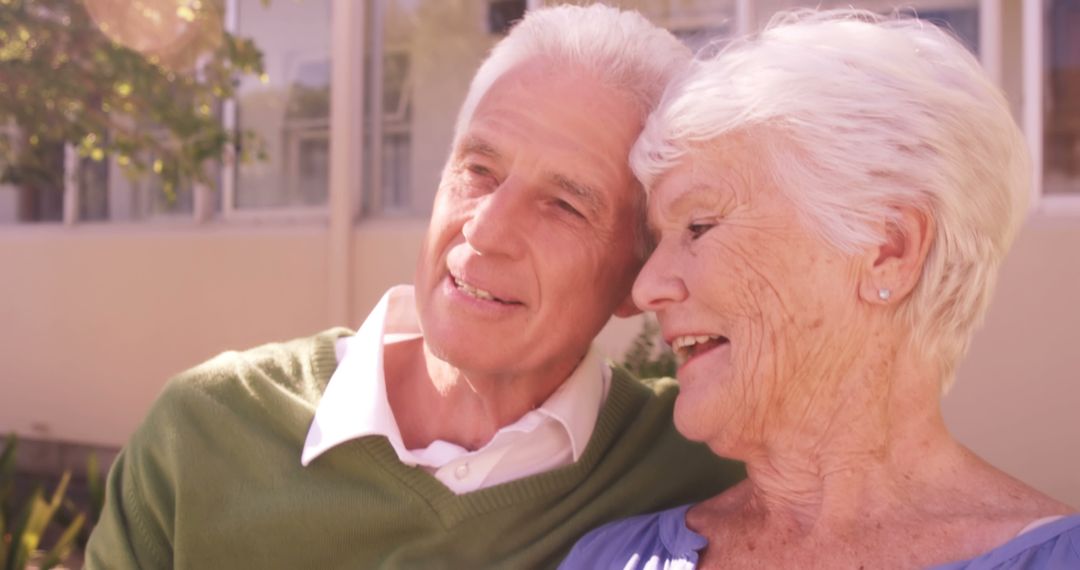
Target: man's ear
{"x": 627, "y": 308}
{"x": 893, "y": 268}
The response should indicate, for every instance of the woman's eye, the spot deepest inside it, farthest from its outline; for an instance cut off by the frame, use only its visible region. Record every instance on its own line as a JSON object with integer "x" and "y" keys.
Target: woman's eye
{"x": 698, "y": 229}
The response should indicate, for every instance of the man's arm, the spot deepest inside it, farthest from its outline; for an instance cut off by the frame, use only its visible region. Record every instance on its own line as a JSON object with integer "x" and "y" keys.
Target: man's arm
{"x": 128, "y": 534}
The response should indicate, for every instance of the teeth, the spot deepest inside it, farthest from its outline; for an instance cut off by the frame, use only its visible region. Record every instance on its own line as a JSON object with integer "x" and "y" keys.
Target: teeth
{"x": 478, "y": 293}
{"x": 683, "y": 342}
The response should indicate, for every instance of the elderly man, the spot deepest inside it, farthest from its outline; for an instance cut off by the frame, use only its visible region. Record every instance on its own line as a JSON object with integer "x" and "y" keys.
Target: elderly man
{"x": 468, "y": 423}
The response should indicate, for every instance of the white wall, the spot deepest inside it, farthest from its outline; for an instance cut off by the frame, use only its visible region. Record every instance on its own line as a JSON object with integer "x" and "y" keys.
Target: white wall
{"x": 1017, "y": 397}
{"x": 94, "y": 320}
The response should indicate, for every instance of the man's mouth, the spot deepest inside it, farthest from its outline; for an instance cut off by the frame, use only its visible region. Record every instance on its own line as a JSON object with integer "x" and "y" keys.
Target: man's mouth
{"x": 689, "y": 346}
{"x": 479, "y": 293}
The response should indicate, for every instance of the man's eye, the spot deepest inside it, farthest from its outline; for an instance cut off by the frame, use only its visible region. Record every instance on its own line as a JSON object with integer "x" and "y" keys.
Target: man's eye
{"x": 569, "y": 208}
{"x": 698, "y": 229}
{"x": 478, "y": 169}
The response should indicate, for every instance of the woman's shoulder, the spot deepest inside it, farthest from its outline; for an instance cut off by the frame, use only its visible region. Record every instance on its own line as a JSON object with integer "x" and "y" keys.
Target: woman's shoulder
{"x": 654, "y": 540}
{"x": 1052, "y": 543}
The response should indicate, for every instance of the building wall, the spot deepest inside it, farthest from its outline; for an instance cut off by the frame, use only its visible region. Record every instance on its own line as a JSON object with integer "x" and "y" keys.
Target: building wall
{"x": 1017, "y": 394}
{"x": 95, "y": 319}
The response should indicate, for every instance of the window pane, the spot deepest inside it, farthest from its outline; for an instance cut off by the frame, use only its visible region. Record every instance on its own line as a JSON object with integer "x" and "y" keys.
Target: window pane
{"x": 695, "y": 22}
{"x": 38, "y": 197}
{"x": 144, "y": 198}
{"x": 1062, "y": 126}
{"x": 108, "y": 193}
{"x": 419, "y": 59}
{"x": 93, "y": 180}
{"x": 418, "y": 64}
{"x": 961, "y": 16}
{"x": 289, "y": 107}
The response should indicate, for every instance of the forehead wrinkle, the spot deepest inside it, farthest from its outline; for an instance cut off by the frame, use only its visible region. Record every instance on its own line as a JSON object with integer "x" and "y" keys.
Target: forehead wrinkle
{"x": 593, "y": 199}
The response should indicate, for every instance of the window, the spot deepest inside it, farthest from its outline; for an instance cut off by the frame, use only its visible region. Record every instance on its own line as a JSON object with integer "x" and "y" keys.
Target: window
{"x": 960, "y": 16}
{"x": 420, "y": 59}
{"x": 695, "y": 22}
{"x": 1061, "y": 130}
{"x": 288, "y": 108}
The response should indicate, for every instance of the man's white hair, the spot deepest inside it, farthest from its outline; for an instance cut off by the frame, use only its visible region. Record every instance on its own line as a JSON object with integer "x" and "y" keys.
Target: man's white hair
{"x": 858, "y": 114}
{"x": 621, "y": 48}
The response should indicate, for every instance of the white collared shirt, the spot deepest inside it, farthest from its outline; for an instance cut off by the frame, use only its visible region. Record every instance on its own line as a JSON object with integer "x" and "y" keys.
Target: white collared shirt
{"x": 355, "y": 405}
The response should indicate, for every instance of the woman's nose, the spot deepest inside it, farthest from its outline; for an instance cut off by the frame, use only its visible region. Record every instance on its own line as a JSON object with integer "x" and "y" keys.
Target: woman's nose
{"x": 659, "y": 283}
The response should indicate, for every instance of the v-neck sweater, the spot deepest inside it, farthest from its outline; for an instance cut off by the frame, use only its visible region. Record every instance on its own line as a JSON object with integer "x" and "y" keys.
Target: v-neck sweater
{"x": 212, "y": 479}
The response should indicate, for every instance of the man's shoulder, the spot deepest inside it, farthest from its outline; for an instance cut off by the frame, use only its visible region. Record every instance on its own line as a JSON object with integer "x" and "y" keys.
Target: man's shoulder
{"x": 661, "y": 388}
{"x": 269, "y": 376}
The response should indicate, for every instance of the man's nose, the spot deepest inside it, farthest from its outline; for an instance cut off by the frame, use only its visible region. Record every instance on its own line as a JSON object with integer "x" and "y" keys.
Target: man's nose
{"x": 499, "y": 222}
{"x": 659, "y": 284}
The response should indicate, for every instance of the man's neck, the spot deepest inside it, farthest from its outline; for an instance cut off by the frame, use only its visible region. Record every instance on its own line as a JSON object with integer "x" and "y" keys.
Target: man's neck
{"x": 432, "y": 400}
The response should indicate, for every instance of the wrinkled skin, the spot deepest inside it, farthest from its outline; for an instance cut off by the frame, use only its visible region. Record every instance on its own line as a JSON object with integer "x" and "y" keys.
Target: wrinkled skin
{"x": 537, "y": 206}
{"x": 735, "y": 259}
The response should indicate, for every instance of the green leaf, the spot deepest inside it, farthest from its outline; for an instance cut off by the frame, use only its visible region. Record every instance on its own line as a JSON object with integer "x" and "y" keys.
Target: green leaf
{"x": 70, "y": 79}
{"x": 3, "y": 541}
{"x": 63, "y": 545}
{"x": 21, "y": 536}
{"x": 39, "y": 514}
{"x": 7, "y": 475}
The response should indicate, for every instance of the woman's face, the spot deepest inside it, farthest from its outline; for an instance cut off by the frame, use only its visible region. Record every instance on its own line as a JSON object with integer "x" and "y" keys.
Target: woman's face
{"x": 758, "y": 308}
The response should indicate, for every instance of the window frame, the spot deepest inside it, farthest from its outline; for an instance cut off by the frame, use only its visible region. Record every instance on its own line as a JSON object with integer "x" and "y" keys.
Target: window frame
{"x": 230, "y": 212}
{"x": 1033, "y": 35}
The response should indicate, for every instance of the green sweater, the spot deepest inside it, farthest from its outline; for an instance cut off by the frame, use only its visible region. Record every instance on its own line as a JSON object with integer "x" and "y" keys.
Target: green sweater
{"x": 212, "y": 479}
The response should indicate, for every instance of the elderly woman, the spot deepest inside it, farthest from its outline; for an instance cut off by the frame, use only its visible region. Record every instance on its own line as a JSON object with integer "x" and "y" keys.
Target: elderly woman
{"x": 831, "y": 201}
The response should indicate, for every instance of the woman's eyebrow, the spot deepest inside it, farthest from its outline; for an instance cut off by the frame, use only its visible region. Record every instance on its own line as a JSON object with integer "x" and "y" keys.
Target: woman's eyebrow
{"x": 695, "y": 195}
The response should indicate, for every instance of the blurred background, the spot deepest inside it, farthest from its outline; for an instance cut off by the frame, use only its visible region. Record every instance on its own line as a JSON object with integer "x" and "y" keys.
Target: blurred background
{"x": 182, "y": 177}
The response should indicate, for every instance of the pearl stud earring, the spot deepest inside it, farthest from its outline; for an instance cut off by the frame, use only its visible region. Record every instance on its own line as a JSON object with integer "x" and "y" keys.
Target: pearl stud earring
{"x": 884, "y": 294}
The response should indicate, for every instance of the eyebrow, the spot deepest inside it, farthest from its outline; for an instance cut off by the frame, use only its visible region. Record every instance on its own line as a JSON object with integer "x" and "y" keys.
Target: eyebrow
{"x": 593, "y": 200}
{"x": 695, "y": 195}
{"x": 477, "y": 145}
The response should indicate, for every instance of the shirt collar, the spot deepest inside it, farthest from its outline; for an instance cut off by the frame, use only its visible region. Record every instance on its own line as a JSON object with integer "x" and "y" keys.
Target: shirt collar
{"x": 576, "y": 403}
{"x": 355, "y": 404}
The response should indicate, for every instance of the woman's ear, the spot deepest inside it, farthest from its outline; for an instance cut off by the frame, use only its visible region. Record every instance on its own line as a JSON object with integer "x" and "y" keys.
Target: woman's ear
{"x": 893, "y": 268}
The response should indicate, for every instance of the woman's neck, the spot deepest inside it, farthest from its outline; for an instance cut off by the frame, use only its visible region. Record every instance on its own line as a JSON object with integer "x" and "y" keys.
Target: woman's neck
{"x": 881, "y": 443}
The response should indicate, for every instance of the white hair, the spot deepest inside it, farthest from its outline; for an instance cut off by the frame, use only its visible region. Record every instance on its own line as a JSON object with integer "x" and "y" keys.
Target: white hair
{"x": 621, "y": 48}
{"x": 860, "y": 114}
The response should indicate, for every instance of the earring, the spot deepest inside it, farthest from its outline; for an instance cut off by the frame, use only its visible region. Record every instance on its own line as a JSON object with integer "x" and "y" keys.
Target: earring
{"x": 884, "y": 294}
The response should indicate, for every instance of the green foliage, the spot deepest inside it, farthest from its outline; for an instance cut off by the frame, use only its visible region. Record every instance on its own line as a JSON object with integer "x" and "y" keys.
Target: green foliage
{"x": 22, "y": 528}
{"x": 95, "y": 487}
{"x": 69, "y": 74}
{"x": 648, "y": 356}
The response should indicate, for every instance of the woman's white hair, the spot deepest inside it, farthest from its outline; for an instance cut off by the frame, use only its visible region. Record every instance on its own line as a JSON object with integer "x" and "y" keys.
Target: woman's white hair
{"x": 858, "y": 114}
{"x": 621, "y": 48}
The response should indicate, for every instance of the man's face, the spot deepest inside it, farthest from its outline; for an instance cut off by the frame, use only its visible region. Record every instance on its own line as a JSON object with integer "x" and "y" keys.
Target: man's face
{"x": 531, "y": 245}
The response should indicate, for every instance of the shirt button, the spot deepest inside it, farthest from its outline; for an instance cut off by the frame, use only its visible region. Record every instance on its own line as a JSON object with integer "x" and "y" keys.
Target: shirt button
{"x": 461, "y": 471}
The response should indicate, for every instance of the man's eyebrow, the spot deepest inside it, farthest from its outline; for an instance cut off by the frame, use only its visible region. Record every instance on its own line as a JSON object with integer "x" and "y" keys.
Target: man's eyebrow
{"x": 593, "y": 200}
{"x": 477, "y": 145}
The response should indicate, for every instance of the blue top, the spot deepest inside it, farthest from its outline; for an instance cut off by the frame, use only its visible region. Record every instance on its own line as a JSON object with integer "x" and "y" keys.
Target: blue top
{"x": 662, "y": 541}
